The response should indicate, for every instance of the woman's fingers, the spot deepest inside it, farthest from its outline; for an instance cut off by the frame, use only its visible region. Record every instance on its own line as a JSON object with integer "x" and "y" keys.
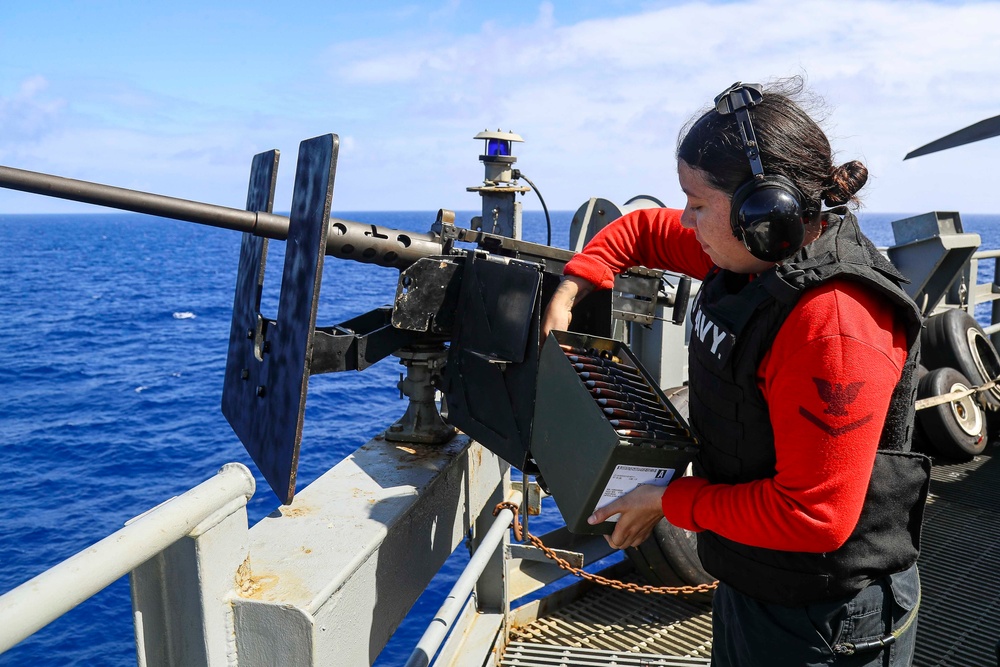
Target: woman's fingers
{"x": 638, "y": 513}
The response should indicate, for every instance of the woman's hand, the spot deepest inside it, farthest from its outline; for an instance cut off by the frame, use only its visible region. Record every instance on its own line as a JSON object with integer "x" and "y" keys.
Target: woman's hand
{"x": 559, "y": 312}
{"x": 640, "y": 511}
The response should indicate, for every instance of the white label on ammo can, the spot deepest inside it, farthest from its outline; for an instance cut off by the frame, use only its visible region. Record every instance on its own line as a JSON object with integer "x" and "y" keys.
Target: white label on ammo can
{"x": 625, "y": 478}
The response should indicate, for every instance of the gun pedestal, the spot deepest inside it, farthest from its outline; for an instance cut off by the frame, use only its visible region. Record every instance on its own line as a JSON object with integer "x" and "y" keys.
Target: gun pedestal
{"x": 421, "y": 422}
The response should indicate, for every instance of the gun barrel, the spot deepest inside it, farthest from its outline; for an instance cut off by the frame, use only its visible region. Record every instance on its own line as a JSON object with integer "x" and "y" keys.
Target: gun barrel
{"x": 357, "y": 241}
{"x": 259, "y": 223}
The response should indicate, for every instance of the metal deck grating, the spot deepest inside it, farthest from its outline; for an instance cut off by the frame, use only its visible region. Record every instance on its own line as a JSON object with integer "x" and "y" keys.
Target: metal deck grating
{"x": 959, "y": 622}
{"x": 608, "y": 626}
{"x": 959, "y": 618}
{"x": 550, "y": 655}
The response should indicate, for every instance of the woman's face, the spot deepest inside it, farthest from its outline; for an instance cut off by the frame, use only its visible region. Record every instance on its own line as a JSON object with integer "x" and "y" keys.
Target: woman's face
{"x": 707, "y": 213}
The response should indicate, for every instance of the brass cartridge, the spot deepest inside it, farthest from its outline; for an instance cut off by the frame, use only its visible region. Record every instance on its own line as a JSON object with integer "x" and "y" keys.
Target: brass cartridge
{"x": 627, "y": 389}
{"x": 615, "y": 413}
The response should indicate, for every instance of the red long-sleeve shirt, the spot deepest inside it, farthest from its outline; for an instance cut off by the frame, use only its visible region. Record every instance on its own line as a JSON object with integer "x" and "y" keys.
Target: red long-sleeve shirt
{"x": 827, "y": 379}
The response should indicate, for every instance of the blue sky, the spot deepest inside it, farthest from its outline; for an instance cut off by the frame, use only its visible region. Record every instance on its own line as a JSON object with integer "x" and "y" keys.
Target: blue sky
{"x": 176, "y": 97}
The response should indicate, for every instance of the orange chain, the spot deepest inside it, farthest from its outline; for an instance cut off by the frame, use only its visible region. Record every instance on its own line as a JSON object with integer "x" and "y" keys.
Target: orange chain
{"x": 596, "y": 578}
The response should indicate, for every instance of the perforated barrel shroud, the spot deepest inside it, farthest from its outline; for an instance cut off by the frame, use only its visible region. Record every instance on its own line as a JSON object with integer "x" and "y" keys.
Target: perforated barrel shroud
{"x": 575, "y": 443}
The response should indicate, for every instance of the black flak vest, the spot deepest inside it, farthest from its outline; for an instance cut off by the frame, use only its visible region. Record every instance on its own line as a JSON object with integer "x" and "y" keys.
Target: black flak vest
{"x": 734, "y": 322}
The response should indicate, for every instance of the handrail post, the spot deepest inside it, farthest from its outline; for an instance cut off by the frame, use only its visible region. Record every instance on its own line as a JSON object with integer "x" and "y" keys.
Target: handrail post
{"x": 995, "y": 314}
{"x": 181, "y": 598}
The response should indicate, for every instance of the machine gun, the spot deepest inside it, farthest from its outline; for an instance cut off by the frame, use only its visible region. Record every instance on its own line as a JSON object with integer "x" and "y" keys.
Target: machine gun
{"x": 465, "y": 319}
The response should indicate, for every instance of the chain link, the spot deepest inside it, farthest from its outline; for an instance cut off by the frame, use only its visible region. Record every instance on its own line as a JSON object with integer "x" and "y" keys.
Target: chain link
{"x": 596, "y": 578}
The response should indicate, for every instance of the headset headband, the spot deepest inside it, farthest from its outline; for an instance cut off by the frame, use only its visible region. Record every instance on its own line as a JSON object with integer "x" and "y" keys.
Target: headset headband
{"x": 737, "y": 99}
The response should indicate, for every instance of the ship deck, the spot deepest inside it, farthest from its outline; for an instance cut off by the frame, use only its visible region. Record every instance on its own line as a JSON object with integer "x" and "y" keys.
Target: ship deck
{"x": 959, "y": 624}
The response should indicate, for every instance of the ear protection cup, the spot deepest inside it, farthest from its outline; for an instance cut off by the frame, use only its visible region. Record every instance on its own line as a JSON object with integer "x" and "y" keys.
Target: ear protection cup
{"x": 766, "y": 215}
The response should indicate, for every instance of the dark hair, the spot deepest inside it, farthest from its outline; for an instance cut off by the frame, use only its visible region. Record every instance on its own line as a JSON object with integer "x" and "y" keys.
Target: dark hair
{"x": 791, "y": 144}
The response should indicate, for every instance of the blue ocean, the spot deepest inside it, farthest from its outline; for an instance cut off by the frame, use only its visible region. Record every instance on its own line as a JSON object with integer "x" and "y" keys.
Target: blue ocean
{"x": 111, "y": 379}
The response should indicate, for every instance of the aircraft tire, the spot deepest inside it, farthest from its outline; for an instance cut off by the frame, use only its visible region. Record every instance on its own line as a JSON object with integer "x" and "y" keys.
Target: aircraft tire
{"x": 954, "y": 431}
{"x": 954, "y": 339}
{"x": 670, "y": 556}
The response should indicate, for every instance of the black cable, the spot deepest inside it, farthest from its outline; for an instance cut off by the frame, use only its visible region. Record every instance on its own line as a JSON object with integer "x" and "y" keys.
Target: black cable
{"x": 548, "y": 221}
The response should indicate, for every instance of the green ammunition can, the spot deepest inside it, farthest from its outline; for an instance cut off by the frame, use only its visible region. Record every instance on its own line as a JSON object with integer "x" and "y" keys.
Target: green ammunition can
{"x": 586, "y": 457}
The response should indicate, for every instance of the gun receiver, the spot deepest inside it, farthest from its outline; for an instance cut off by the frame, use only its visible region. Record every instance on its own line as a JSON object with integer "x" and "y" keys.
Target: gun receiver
{"x": 464, "y": 320}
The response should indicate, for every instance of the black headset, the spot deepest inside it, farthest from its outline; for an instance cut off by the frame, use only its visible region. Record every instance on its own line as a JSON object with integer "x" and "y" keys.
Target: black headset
{"x": 766, "y": 212}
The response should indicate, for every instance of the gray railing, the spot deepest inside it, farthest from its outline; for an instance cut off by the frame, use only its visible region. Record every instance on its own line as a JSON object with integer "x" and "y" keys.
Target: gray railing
{"x": 39, "y": 601}
{"x": 990, "y": 291}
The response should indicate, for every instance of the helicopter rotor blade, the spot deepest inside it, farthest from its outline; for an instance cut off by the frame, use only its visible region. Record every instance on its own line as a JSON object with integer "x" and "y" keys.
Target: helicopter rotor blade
{"x": 984, "y": 129}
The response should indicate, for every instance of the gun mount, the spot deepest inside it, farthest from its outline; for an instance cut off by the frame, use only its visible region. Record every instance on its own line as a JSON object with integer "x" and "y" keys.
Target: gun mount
{"x": 465, "y": 320}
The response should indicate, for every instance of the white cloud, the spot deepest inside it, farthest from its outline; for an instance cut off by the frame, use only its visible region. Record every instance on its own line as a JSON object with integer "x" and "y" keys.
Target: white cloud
{"x": 29, "y": 113}
{"x": 599, "y": 102}
{"x": 603, "y": 99}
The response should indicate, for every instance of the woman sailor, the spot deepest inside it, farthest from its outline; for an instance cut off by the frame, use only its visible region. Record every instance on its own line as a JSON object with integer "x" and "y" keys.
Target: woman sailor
{"x": 806, "y": 498}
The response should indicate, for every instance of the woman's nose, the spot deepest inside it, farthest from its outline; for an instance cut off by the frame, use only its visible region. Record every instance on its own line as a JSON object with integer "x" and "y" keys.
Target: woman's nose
{"x": 687, "y": 218}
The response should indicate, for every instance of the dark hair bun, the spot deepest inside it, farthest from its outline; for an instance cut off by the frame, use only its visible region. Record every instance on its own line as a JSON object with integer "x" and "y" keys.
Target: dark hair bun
{"x": 844, "y": 182}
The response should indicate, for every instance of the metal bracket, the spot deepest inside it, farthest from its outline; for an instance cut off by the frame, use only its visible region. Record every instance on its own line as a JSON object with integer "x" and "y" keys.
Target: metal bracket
{"x": 635, "y": 295}
{"x": 528, "y": 552}
{"x": 534, "y": 495}
{"x": 357, "y": 343}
